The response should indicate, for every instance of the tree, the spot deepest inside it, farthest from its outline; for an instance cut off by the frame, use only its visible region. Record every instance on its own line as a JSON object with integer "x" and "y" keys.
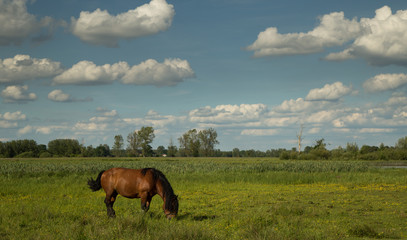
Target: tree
{"x": 64, "y": 147}
{"x": 160, "y": 151}
{"x": 236, "y": 152}
{"x": 189, "y": 143}
{"x": 208, "y": 141}
{"x": 320, "y": 151}
{"x": 141, "y": 140}
{"x": 320, "y": 144}
{"x": 172, "y": 149}
{"x": 118, "y": 145}
{"x": 102, "y": 151}
{"x": 146, "y": 135}
{"x": 402, "y": 143}
{"x": 134, "y": 143}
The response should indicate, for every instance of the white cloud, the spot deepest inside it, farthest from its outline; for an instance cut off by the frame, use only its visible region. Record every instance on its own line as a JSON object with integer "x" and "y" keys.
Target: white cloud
{"x": 15, "y": 94}
{"x": 156, "y": 120}
{"x": 21, "y": 68}
{"x": 14, "y": 116}
{"x": 229, "y": 113}
{"x": 397, "y": 99}
{"x": 383, "y": 39}
{"x": 314, "y": 130}
{"x": 355, "y": 118}
{"x": 383, "y": 82}
{"x": 16, "y": 24}
{"x": 259, "y": 132}
{"x": 292, "y": 105}
{"x": 322, "y": 116}
{"x": 7, "y": 124}
{"x": 88, "y": 73}
{"x": 90, "y": 127}
{"x": 112, "y": 113}
{"x": 8, "y": 119}
{"x": 376, "y": 130}
{"x": 330, "y": 92}
{"x": 25, "y": 130}
{"x": 44, "y": 130}
{"x": 101, "y": 28}
{"x": 59, "y": 96}
{"x": 333, "y": 30}
{"x": 281, "y": 121}
{"x": 150, "y": 72}
{"x": 105, "y": 116}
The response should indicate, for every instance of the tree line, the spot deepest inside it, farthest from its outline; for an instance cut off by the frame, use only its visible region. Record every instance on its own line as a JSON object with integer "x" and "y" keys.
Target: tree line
{"x": 194, "y": 143}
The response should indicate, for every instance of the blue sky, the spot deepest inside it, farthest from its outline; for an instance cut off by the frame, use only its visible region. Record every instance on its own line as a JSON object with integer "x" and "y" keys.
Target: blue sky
{"x": 255, "y": 71}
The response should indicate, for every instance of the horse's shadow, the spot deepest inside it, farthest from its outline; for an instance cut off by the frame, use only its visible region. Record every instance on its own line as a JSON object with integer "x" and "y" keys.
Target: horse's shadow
{"x": 195, "y": 218}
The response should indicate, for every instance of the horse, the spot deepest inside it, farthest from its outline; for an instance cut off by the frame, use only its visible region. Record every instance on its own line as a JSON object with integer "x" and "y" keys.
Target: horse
{"x": 136, "y": 183}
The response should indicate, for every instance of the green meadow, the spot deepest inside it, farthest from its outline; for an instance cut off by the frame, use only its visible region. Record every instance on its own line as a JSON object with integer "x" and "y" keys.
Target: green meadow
{"x": 226, "y": 198}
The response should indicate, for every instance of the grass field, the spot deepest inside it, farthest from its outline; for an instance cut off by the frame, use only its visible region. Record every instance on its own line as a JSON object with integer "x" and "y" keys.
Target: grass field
{"x": 219, "y": 199}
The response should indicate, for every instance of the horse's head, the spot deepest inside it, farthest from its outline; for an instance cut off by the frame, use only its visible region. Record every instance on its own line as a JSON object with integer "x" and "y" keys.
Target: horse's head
{"x": 171, "y": 209}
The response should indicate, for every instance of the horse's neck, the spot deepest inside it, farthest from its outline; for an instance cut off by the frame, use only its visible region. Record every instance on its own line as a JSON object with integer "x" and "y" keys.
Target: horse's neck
{"x": 160, "y": 189}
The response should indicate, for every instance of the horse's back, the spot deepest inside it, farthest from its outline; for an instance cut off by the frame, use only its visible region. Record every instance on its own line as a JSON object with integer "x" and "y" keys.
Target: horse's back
{"x": 127, "y": 182}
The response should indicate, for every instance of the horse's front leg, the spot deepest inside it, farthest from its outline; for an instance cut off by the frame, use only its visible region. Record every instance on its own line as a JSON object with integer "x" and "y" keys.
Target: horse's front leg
{"x": 145, "y": 201}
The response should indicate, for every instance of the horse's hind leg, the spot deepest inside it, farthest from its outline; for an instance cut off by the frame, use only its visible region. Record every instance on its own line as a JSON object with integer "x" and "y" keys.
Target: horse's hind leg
{"x": 145, "y": 201}
{"x": 109, "y": 201}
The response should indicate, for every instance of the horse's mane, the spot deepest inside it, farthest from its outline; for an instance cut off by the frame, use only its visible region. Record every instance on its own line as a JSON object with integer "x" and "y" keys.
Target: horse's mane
{"x": 168, "y": 191}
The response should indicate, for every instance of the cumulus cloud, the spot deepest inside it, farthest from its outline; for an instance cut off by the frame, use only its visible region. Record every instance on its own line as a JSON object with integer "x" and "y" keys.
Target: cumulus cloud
{"x": 17, "y": 94}
{"x": 355, "y": 118}
{"x": 330, "y": 92}
{"x": 156, "y": 120}
{"x": 25, "y": 130}
{"x": 7, "y": 124}
{"x": 105, "y": 115}
{"x": 259, "y": 132}
{"x": 90, "y": 127}
{"x": 13, "y": 116}
{"x": 150, "y": 72}
{"x": 292, "y": 105}
{"x": 383, "y": 40}
{"x": 21, "y": 68}
{"x": 384, "y": 82}
{"x": 88, "y": 73}
{"x": 333, "y": 30}
{"x": 101, "y": 28}
{"x": 397, "y": 99}
{"x": 9, "y": 119}
{"x": 59, "y": 96}
{"x": 229, "y": 113}
{"x": 376, "y": 130}
{"x": 17, "y": 25}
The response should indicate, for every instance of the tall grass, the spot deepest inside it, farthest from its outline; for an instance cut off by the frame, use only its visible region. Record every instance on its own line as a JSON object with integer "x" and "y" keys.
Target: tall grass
{"x": 180, "y": 166}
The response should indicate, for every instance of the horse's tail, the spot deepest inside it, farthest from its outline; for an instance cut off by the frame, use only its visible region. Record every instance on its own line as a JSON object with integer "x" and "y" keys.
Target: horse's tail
{"x": 95, "y": 185}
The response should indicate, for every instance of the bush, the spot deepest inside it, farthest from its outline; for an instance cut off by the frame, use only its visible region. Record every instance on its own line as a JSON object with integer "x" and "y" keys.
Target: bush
{"x": 285, "y": 155}
{"x": 45, "y": 155}
{"x": 26, "y": 155}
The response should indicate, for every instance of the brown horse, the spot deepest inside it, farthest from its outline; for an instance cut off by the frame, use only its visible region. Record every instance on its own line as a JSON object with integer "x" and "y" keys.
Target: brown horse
{"x": 136, "y": 183}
